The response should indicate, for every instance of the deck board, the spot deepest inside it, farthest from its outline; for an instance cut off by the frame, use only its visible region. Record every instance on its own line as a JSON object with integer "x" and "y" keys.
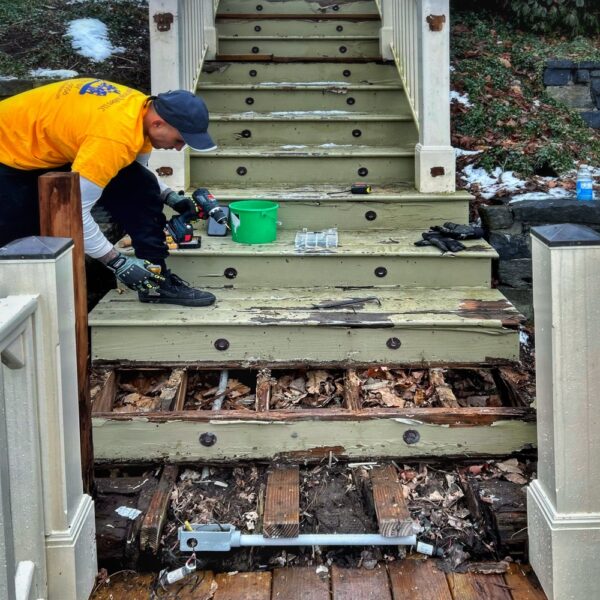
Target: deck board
{"x": 301, "y": 583}
{"x": 471, "y": 586}
{"x": 243, "y": 586}
{"x": 418, "y": 580}
{"x": 281, "y": 518}
{"x": 521, "y": 587}
{"x": 360, "y": 584}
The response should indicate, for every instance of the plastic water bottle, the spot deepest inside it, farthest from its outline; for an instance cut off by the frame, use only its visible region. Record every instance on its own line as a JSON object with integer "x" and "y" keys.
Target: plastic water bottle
{"x": 585, "y": 183}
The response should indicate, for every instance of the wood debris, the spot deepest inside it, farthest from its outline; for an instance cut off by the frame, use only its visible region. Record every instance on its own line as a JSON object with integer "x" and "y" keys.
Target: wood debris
{"x": 203, "y": 387}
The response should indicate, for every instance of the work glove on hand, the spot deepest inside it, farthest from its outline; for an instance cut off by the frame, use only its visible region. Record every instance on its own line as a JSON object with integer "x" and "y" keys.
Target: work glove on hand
{"x": 184, "y": 205}
{"x": 459, "y": 232}
{"x": 445, "y": 244}
{"x": 134, "y": 272}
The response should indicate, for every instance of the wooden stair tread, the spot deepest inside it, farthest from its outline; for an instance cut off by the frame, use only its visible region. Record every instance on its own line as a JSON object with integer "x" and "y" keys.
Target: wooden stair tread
{"x": 335, "y": 193}
{"x": 309, "y": 116}
{"x": 301, "y": 150}
{"x": 354, "y": 243}
{"x": 300, "y": 16}
{"x": 308, "y": 38}
{"x": 410, "y": 308}
{"x": 293, "y": 85}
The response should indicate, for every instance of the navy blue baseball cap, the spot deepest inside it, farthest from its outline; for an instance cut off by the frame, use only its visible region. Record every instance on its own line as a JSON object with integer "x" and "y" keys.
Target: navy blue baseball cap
{"x": 188, "y": 114}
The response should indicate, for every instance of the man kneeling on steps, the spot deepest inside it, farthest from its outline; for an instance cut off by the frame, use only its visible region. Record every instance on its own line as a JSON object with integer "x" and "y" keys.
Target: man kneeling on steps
{"x": 105, "y": 132}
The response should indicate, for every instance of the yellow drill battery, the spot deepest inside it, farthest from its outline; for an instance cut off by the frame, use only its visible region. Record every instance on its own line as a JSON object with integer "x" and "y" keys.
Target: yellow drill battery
{"x": 360, "y": 188}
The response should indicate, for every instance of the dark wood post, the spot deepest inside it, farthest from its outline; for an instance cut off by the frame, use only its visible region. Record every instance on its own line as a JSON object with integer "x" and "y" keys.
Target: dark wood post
{"x": 60, "y": 216}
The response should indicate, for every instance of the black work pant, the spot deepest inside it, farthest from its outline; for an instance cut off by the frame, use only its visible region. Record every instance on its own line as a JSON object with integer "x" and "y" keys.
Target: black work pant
{"x": 132, "y": 198}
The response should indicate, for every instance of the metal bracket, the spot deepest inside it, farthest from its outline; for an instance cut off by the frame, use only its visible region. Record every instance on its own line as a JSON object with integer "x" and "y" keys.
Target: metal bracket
{"x": 163, "y": 21}
{"x": 209, "y": 538}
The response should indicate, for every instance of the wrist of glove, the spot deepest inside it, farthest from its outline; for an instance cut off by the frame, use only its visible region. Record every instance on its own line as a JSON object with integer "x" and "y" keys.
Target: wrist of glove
{"x": 443, "y": 243}
{"x": 134, "y": 272}
{"x": 184, "y": 205}
{"x": 459, "y": 232}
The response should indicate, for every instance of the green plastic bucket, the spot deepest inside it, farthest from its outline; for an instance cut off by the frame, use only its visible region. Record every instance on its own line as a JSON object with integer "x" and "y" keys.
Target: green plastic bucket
{"x": 253, "y": 221}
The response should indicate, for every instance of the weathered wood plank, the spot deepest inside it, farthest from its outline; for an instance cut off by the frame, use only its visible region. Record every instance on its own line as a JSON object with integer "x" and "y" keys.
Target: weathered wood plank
{"x": 144, "y": 439}
{"x": 471, "y": 586}
{"x": 155, "y": 517}
{"x": 418, "y": 580}
{"x": 181, "y": 392}
{"x": 352, "y": 385}
{"x": 103, "y": 401}
{"x": 392, "y": 511}
{"x": 264, "y": 386}
{"x": 521, "y": 586}
{"x": 171, "y": 390}
{"x": 200, "y": 585}
{"x": 281, "y": 517}
{"x": 443, "y": 390}
{"x": 243, "y": 586}
{"x": 302, "y": 16}
{"x": 360, "y": 584}
{"x": 60, "y": 216}
{"x": 302, "y": 583}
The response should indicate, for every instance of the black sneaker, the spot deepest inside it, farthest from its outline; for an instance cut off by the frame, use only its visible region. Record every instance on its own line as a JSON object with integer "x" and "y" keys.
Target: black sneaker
{"x": 174, "y": 290}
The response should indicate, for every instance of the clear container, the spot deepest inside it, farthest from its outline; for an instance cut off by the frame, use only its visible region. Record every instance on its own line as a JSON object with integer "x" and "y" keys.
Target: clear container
{"x": 316, "y": 241}
{"x": 585, "y": 183}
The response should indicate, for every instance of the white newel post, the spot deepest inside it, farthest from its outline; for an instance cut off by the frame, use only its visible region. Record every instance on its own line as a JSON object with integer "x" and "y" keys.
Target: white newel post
{"x": 42, "y": 267}
{"x": 166, "y": 74}
{"x": 386, "y": 33}
{"x": 563, "y": 503}
{"x": 434, "y": 156}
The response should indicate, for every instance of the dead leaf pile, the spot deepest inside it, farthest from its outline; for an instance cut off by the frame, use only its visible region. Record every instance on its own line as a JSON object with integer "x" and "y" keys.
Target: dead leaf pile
{"x": 202, "y": 391}
{"x": 310, "y": 389}
{"x": 474, "y": 387}
{"x": 395, "y": 388}
{"x": 139, "y": 391}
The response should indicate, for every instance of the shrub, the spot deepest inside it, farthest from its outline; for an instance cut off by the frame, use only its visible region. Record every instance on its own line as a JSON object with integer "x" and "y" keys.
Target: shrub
{"x": 571, "y": 16}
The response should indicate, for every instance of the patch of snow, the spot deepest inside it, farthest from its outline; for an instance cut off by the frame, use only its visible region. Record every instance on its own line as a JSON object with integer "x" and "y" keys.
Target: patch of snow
{"x": 7, "y": 77}
{"x": 460, "y": 152}
{"x": 491, "y": 183}
{"x": 128, "y": 513}
{"x": 54, "y": 73}
{"x": 460, "y": 98}
{"x": 452, "y": 69}
{"x": 523, "y": 337}
{"x": 89, "y": 37}
{"x": 551, "y": 194}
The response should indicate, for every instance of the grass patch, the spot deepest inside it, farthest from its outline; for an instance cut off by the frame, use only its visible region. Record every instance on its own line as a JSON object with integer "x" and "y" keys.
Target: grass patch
{"x": 513, "y": 120}
{"x": 32, "y": 35}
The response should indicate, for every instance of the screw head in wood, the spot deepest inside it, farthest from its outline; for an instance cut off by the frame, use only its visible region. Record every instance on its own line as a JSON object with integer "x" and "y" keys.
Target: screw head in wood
{"x": 350, "y": 101}
{"x": 339, "y": 28}
{"x": 255, "y": 49}
{"x": 208, "y": 439}
{"x": 252, "y": 73}
{"x": 221, "y": 344}
{"x": 393, "y": 343}
{"x": 257, "y": 28}
{"x": 230, "y": 273}
{"x": 343, "y": 49}
{"x": 411, "y": 436}
{"x": 356, "y": 132}
{"x": 370, "y": 215}
{"x": 241, "y": 171}
{"x": 250, "y": 101}
{"x": 259, "y": 7}
{"x": 380, "y": 272}
{"x": 363, "y": 171}
{"x": 336, "y": 7}
{"x": 246, "y": 133}
{"x": 346, "y": 72}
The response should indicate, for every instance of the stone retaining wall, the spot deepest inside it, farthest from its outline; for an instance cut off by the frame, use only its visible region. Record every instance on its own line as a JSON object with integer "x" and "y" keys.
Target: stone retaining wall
{"x": 576, "y": 84}
{"x": 507, "y": 229}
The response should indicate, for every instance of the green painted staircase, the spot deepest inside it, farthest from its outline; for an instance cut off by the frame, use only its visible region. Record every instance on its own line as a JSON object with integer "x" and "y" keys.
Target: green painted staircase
{"x": 301, "y": 107}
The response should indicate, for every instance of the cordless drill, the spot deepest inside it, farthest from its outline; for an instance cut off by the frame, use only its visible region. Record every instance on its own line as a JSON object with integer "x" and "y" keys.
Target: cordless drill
{"x": 179, "y": 230}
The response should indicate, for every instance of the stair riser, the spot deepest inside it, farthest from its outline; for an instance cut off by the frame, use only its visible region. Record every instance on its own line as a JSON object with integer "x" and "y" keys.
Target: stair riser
{"x": 263, "y": 133}
{"x": 297, "y": 7}
{"x": 273, "y": 343}
{"x": 268, "y": 100}
{"x": 328, "y": 27}
{"x": 331, "y": 270}
{"x": 253, "y": 73}
{"x": 344, "y": 48}
{"x": 358, "y": 216}
{"x": 207, "y": 171}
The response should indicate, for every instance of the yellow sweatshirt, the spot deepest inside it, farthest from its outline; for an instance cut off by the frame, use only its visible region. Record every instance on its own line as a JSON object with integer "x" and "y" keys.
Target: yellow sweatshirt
{"x": 93, "y": 124}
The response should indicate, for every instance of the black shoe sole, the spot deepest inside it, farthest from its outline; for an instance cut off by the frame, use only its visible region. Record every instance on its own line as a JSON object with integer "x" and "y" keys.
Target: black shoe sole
{"x": 180, "y": 301}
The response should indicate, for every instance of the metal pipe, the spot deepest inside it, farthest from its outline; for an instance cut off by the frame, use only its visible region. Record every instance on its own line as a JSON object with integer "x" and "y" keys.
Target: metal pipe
{"x": 328, "y": 539}
{"x": 217, "y": 404}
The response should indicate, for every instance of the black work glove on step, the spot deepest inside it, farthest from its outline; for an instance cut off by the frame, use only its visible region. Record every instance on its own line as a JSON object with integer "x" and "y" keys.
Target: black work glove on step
{"x": 445, "y": 244}
{"x": 459, "y": 232}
